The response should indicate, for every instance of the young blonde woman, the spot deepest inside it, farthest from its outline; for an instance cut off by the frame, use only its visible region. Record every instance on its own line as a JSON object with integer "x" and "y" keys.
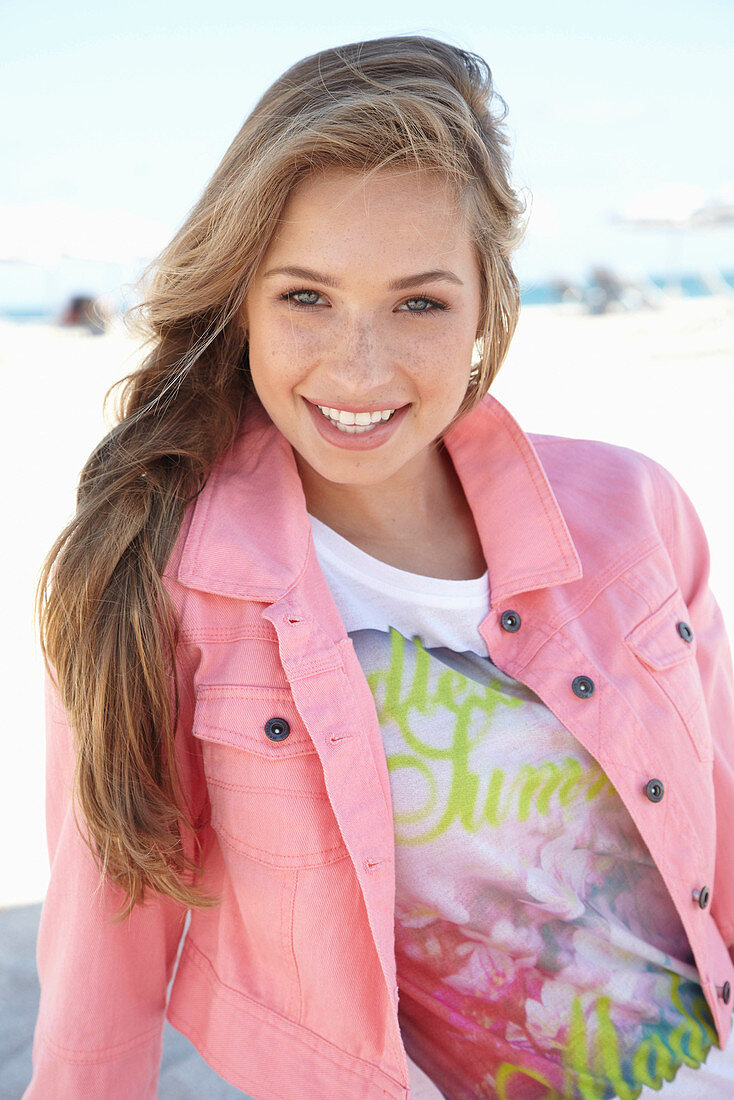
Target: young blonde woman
{"x": 428, "y": 722}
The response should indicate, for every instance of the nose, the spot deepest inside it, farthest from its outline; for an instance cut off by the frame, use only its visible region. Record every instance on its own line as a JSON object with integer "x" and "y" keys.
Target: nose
{"x": 361, "y": 361}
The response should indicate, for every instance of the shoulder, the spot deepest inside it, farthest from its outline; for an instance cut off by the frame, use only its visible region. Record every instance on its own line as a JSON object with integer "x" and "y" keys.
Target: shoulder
{"x": 590, "y": 471}
{"x": 625, "y": 491}
{"x": 606, "y": 477}
{"x": 567, "y": 455}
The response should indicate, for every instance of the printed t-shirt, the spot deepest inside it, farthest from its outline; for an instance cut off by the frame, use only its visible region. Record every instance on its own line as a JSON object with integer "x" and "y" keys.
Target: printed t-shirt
{"x": 538, "y": 951}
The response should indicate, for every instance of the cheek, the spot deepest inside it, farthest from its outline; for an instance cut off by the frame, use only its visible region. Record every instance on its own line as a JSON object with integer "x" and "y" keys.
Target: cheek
{"x": 446, "y": 356}
{"x": 281, "y": 352}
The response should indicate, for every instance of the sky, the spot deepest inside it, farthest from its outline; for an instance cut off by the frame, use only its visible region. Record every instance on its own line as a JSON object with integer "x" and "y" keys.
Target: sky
{"x": 126, "y": 110}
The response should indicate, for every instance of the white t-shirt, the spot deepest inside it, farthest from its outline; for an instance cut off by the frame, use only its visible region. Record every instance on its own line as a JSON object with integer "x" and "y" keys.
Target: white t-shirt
{"x": 537, "y": 947}
{"x": 371, "y": 595}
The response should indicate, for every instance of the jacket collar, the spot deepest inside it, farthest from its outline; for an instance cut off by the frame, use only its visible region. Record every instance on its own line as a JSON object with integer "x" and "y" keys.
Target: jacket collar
{"x": 250, "y": 535}
{"x": 526, "y": 542}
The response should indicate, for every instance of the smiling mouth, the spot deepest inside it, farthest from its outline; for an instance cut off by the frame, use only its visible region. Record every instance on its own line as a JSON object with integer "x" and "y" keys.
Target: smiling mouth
{"x": 355, "y": 423}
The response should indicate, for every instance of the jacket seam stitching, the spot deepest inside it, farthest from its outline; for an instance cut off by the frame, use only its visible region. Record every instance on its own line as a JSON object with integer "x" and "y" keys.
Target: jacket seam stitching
{"x": 229, "y": 634}
{"x": 194, "y": 1033}
{"x": 362, "y": 727}
{"x": 93, "y": 1057}
{"x": 245, "y": 848}
{"x": 291, "y": 944}
{"x": 638, "y": 591}
{"x": 199, "y": 960}
{"x": 250, "y": 743}
{"x": 664, "y": 505}
{"x": 611, "y": 574}
{"x": 253, "y": 693}
{"x": 310, "y": 796}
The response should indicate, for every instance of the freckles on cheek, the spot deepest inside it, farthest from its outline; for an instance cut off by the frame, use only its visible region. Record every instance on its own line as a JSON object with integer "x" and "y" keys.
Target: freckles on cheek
{"x": 446, "y": 349}
{"x": 298, "y": 339}
{"x": 281, "y": 360}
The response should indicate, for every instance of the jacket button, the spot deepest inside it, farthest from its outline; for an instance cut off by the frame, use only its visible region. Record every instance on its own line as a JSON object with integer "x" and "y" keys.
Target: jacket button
{"x": 702, "y": 896}
{"x": 654, "y": 790}
{"x": 277, "y": 729}
{"x": 510, "y": 621}
{"x": 685, "y": 632}
{"x": 724, "y": 992}
{"x": 583, "y": 687}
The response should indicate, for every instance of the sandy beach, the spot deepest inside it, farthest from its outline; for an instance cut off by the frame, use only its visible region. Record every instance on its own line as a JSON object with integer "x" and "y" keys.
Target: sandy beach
{"x": 660, "y": 381}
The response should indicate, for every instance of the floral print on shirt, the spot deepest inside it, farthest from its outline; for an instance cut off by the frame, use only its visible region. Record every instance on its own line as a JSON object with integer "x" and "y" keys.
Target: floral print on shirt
{"x": 539, "y": 953}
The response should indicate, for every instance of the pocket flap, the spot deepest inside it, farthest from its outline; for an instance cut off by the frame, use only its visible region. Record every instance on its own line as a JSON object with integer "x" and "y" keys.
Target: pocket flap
{"x": 236, "y": 715}
{"x": 657, "y": 641}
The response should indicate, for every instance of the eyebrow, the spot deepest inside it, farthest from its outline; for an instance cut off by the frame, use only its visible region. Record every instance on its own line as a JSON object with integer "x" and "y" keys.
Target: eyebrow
{"x": 438, "y": 275}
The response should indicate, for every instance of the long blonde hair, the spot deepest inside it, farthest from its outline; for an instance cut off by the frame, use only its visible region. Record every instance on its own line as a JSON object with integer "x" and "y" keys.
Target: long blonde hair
{"x": 107, "y": 624}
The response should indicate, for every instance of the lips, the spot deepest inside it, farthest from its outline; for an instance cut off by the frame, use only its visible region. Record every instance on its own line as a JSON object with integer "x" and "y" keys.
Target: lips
{"x": 355, "y": 436}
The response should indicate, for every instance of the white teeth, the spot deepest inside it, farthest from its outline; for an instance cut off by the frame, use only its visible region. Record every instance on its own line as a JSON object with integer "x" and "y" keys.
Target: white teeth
{"x": 355, "y": 422}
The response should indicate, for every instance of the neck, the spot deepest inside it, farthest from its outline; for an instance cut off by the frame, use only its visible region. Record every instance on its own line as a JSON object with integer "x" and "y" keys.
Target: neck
{"x": 397, "y": 521}
{"x": 406, "y": 501}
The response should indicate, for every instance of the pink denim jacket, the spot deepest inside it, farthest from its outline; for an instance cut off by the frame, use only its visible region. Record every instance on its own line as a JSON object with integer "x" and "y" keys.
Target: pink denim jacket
{"x": 289, "y": 988}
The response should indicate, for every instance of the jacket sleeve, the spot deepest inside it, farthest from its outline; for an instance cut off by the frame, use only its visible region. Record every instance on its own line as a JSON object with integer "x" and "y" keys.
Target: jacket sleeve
{"x": 99, "y": 1029}
{"x": 688, "y": 547}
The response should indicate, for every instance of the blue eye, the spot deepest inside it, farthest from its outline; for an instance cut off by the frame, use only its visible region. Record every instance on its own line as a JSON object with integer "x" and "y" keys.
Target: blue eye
{"x": 301, "y": 297}
{"x": 307, "y": 299}
{"x": 422, "y": 305}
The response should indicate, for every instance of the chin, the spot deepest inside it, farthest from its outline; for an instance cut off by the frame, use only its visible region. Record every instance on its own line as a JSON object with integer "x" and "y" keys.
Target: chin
{"x": 356, "y": 477}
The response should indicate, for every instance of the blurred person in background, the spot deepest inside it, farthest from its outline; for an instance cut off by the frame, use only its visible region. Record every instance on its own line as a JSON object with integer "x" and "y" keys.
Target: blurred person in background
{"x": 83, "y": 311}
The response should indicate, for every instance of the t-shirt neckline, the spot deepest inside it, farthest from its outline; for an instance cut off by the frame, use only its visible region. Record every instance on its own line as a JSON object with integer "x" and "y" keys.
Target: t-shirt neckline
{"x": 357, "y": 561}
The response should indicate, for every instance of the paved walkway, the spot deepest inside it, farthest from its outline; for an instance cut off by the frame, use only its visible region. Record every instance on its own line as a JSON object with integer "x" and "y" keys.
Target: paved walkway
{"x": 184, "y": 1074}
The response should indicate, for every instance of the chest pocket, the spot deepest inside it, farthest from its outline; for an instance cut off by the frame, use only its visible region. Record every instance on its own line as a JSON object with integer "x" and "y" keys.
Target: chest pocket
{"x": 659, "y": 642}
{"x": 268, "y": 797}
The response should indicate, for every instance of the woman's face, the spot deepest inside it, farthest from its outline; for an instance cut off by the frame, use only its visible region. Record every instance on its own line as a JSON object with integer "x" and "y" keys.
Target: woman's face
{"x": 364, "y": 311}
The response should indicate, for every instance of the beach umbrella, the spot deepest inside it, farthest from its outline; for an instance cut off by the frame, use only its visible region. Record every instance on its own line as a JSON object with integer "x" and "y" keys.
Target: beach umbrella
{"x": 717, "y": 209}
{"x": 671, "y": 207}
{"x": 678, "y": 209}
{"x": 679, "y": 206}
